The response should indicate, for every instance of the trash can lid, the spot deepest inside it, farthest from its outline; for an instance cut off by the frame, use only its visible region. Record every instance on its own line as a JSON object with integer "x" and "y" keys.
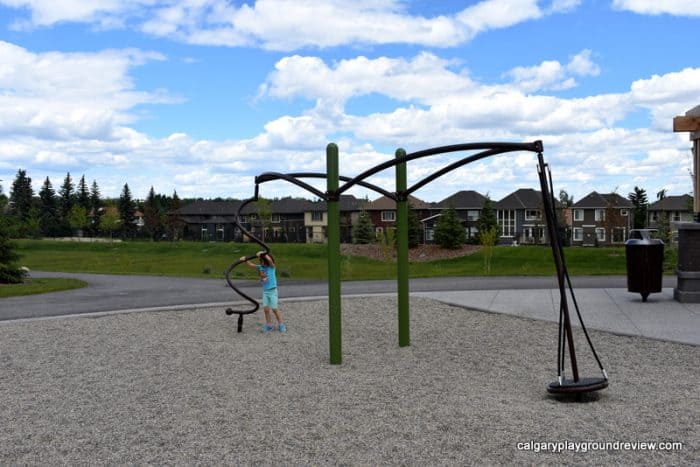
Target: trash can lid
{"x": 643, "y": 237}
{"x": 645, "y": 241}
{"x": 642, "y": 234}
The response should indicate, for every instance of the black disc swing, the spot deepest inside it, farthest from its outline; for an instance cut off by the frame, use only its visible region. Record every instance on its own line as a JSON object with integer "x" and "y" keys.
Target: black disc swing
{"x": 574, "y": 386}
{"x": 254, "y": 303}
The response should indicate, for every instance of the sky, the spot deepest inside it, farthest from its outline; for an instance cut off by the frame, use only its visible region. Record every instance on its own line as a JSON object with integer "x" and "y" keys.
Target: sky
{"x": 200, "y": 96}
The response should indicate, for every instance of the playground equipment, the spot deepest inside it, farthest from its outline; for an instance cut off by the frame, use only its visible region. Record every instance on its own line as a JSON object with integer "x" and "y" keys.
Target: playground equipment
{"x": 227, "y": 274}
{"x": 575, "y": 385}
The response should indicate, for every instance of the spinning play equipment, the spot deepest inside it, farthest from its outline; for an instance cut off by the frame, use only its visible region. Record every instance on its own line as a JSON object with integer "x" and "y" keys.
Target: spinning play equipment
{"x": 563, "y": 385}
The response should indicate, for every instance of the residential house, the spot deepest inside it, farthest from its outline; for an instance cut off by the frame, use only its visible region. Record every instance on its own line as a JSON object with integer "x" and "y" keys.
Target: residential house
{"x": 283, "y": 220}
{"x": 316, "y": 219}
{"x": 601, "y": 219}
{"x": 521, "y": 218}
{"x": 467, "y": 204}
{"x": 209, "y": 220}
{"x": 668, "y": 212}
{"x": 382, "y": 212}
{"x": 286, "y": 222}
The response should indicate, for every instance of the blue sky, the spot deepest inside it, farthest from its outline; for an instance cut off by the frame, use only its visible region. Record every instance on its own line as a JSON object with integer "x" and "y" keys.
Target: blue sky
{"x": 200, "y": 96}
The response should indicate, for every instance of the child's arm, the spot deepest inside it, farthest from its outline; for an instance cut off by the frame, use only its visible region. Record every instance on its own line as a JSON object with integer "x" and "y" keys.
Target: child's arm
{"x": 252, "y": 265}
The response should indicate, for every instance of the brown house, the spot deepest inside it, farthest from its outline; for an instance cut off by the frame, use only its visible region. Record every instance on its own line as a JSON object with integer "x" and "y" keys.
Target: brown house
{"x": 601, "y": 219}
{"x": 382, "y": 212}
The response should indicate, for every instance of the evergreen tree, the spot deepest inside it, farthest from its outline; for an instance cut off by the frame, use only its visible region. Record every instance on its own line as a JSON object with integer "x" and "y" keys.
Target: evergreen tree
{"x": 3, "y": 201}
{"x": 153, "y": 215}
{"x": 565, "y": 199}
{"x": 487, "y": 220}
{"x": 95, "y": 210}
{"x": 174, "y": 221}
{"x": 83, "y": 195}
{"x": 21, "y": 196}
{"x": 67, "y": 197}
{"x": 48, "y": 210}
{"x": 415, "y": 230}
{"x": 10, "y": 272}
{"x": 364, "y": 233}
{"x": 639, "y": 198}
{"x": 449, "y": 232}
{"x": 126, "y": 210}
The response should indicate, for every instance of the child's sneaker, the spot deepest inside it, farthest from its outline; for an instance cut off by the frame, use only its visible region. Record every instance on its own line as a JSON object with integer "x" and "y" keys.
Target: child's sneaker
{"x": 282, "y": 328}
{"x": 267, "y": 329}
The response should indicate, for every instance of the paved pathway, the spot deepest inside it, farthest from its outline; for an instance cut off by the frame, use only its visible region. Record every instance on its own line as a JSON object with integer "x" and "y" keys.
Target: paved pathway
{"x": 603, "y": 300}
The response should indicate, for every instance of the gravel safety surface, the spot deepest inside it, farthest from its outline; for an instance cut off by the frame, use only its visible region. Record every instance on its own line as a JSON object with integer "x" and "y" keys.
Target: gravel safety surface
{"x": 182, "y": 387}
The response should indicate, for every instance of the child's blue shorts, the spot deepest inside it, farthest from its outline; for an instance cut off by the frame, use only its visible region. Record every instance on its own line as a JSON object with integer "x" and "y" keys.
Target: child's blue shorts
{"x": 269, "y": 298}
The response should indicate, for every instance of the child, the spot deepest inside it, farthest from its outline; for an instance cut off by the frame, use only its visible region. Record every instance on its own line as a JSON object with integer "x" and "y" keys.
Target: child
{"x": 268, "y": 280}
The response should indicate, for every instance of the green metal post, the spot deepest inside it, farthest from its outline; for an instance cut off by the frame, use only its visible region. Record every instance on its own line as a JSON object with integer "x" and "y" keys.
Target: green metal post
{"x": 402, "y": 252}
{"x": 333, "y": 230}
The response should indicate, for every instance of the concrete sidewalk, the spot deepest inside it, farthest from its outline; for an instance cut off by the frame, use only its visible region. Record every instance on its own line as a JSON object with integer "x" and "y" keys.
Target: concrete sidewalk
{"x": 614, "y": 310}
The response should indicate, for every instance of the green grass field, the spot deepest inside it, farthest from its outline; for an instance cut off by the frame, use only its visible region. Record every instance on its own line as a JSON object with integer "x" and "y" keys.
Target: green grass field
{"x": 37, "y": 286}
{"x": 297, "y": 261}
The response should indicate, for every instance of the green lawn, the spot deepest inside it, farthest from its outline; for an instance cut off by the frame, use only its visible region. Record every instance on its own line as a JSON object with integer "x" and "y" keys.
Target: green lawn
{"x": 296, "y": 261}
{"x": 36, "y": 286}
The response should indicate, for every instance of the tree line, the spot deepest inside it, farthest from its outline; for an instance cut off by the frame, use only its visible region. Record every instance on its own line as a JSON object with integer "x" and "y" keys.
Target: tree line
{"x": 77, "y": 208}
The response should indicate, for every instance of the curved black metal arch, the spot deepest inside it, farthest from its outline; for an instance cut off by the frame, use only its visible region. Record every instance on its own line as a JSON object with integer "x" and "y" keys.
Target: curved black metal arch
{"x": 489, "y": 149}
{"x": 294, "y": 178}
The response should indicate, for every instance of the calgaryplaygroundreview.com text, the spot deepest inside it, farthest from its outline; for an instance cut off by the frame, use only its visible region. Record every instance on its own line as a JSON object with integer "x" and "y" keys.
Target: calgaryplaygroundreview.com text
{"x": 587, "y": 446}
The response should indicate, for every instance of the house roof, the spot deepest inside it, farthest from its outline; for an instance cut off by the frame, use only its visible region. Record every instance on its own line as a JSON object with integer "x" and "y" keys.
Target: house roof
{"x": 522, "y": 198}
{"x": 290, "y": 205}
{"x": 346, "y": 203}
{"x": 210, "y": 208}
{"x": 383, "y": 203}
{"x": 673, "y": 203}
{"x": 603, "y": 200}
{"x": 464, "y": 199}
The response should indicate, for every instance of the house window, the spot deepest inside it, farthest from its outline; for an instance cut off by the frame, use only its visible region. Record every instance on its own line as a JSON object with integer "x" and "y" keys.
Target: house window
{"x": 220, "y": 232}
{"x": 388, "y": 216}
{"x": 600, "y": 234}
{"x": 473, "y": 215}
{"x": 599, "y": 215}
{"x": 472, "y": 231}
{"x": 624, "y": 212}
{"x": 578, "y": 214}
{"x": 205, "y": 233}
{"x": 676, "y": 216}
{"x": 379, "y": 231}
{"x": 429, "y": 235}
{"x": 654, "y": 216}
{"x": 532, "y": 214}
{"x": 578, "y": 234}
{"x": 317, "y": 216}
{"x": 618, "y": 234}
{"x": 275, "y": 219}
{"x": 506, "y": 221}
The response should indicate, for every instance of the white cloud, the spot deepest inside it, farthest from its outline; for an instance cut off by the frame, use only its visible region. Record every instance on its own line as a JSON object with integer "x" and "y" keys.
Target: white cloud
{"x": 552, "y": 75}
{"x": 106, "y": 13}
{"x": 275, "y": 24}
{"x": 656, "y": 7}
{"x": 69, "y": 95}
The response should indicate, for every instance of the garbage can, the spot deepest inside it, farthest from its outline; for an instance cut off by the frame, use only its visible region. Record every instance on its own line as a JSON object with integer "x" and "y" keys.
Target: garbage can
{"x": 645, "y": 262}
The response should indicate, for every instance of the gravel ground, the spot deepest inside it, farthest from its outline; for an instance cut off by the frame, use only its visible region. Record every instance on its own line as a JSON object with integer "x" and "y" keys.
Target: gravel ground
{"x": 182, "y": 387}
